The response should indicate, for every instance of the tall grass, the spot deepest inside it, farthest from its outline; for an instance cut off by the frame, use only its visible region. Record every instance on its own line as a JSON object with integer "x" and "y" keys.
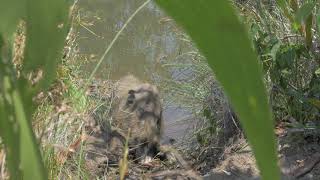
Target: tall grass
{"x": 281, "y": 37}
{"x": 46, "y": 28}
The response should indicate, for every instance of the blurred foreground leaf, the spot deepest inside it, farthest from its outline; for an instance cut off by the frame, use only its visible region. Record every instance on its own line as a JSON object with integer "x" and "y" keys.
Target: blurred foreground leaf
{"x": 46, "y": 29}
{"x": 31, "y": 162}
{"x": 217, "y": 32}
{"x": 10, "y": 12}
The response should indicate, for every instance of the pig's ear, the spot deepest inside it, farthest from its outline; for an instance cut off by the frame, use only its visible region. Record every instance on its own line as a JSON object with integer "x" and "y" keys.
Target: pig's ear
{"x": 131, "y": 91}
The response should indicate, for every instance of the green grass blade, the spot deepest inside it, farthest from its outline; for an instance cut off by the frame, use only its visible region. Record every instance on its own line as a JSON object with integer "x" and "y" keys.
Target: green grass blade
{"x": 282, "y": 4}
{"x": 10, "y": 12}
{"x": 8, "y": 133}
{"x": 309, "y": 24}
{"x": 215, "y": 29}
{"x": 9, "y": 136}
{"x": 317, "y": 21}
{"x": 284, "y": 7}
{"x": 31, "y": 162}
{"x": 22, "y": 151}
{"x": 47, "y": 28}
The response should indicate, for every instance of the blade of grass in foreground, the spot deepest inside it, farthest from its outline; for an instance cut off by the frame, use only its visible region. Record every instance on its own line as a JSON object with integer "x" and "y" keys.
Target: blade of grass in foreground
{"x": 31, "y": 161}
{"x": 217, "y": 32}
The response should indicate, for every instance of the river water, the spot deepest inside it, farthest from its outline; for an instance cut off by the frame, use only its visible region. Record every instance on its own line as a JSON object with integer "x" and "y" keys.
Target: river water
{"x": 150, "y": 40}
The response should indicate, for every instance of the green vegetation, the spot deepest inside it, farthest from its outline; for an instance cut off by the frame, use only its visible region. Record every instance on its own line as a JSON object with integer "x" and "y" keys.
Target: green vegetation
{"x": 46, "y": 28}
{"x": 266, "y": 55}
{"x": 225, "y": 44}
{"x": 287, "y": 50}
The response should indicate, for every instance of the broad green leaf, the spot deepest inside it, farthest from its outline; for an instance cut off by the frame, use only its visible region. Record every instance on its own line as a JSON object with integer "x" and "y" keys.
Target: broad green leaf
{"x": 215, "y": 29}
{"x": 8, "y": 133}
{"x": 31, "y": 162}
{"x": 11, "y": 140}
{"x": 47, "y": 28}
{"x": 23, "y": 153}
{"x": 46, "y": 25}
{"x": 10, "y": 12}
{"x": 304, "y": 11}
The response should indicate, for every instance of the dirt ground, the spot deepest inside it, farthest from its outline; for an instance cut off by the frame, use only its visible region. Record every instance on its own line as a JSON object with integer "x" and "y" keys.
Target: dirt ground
{"x": 298, "y": 158}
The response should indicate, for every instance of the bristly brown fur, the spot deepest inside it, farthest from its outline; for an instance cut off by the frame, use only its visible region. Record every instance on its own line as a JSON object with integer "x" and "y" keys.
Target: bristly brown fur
{"x": 139, "y": 108}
